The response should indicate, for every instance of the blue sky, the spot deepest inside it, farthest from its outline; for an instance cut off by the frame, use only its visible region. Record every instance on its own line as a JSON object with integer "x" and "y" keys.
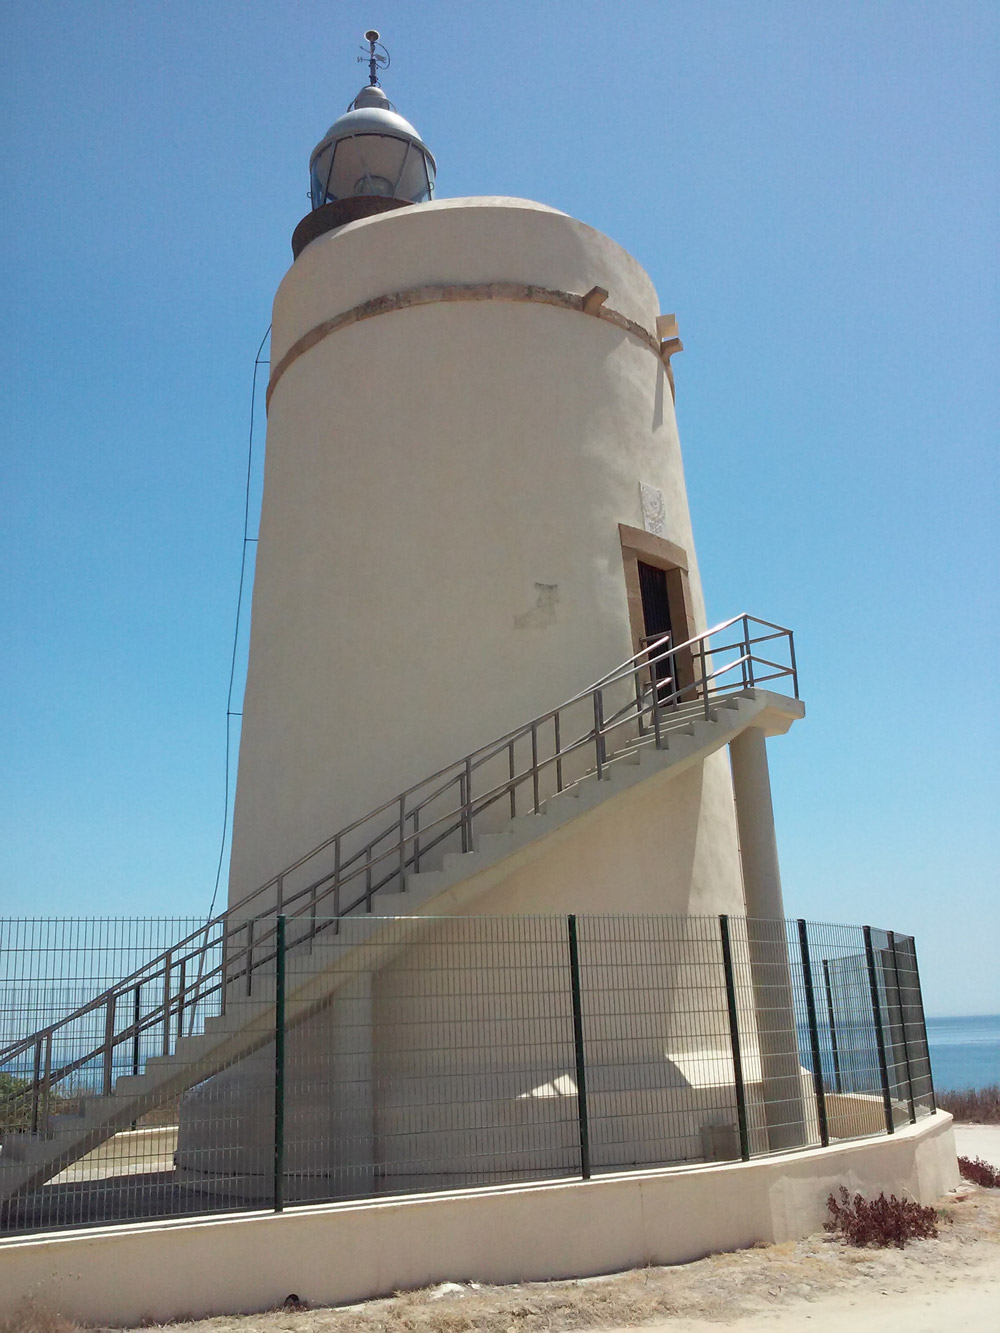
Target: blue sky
{"x": 813, "y": 188}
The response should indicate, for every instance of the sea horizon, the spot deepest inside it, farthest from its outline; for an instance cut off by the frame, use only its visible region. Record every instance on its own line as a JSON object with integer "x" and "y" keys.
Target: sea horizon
{"x": 964, "y": 1050}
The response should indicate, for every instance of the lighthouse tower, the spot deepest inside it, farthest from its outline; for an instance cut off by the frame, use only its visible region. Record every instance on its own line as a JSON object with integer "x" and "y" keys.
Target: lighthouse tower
{"x": 474, "y": 507}
{"x": 473, "y": 510}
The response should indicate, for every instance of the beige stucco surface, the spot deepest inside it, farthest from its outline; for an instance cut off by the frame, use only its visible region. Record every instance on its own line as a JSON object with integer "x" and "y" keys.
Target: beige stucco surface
{"x": 341, "y": 1253}
{"x": 439, "y": 555}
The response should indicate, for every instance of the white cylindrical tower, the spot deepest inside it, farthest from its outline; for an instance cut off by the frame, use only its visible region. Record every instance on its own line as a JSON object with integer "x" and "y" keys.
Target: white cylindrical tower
{"x": 472, "y": 456}
{"x": 474, "y": 508}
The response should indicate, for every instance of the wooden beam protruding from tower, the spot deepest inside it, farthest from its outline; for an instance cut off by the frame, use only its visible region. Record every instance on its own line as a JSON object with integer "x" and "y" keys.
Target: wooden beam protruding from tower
{"x": 666, "y": 331}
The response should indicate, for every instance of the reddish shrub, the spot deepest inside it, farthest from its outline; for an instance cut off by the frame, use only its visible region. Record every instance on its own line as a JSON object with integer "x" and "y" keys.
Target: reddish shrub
{"x": 880, "y": 1222}
{"x": 979, "y": 1172}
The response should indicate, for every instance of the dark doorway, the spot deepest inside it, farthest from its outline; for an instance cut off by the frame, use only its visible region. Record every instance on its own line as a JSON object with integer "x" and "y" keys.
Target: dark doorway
{"x": 656, "y": 619}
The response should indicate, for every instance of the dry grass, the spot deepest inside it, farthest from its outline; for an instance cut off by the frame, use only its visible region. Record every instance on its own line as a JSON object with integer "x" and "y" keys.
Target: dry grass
{"x": 33, "y": 1317}
{"x": 974, "y": 1106}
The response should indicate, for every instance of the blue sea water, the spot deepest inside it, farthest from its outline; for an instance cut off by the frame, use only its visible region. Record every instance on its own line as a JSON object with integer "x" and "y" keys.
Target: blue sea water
{"x": 965, "y": 1052}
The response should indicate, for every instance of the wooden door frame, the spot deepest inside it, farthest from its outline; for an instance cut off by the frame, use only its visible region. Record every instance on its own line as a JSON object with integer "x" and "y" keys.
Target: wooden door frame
{"x": 638, "y": 545}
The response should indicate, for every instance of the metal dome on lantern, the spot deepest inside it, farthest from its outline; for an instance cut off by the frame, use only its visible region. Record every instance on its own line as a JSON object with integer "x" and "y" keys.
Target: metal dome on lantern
{"x": 369, "y": 161}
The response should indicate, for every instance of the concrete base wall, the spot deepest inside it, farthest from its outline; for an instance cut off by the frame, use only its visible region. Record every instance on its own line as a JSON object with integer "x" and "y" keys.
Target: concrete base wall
{"x": 349, "y": 1252}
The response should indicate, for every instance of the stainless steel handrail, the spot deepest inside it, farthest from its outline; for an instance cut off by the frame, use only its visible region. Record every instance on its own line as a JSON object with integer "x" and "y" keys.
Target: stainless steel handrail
{"x": 646, "y": 710}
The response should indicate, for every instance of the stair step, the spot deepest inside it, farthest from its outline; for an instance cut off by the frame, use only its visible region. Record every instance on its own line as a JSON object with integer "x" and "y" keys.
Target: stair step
{"x": 426, "y": 883}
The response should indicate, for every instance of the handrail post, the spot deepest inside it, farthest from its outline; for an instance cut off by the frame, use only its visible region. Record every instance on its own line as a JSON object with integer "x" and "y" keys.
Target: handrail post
{"x": 224, "y": 966}
{"x": 557, "y": 742}
{"x": 890, "y": 1128}
{"x": 599, "y": 732}
{"x": 734, "y": 1037}
{"x": 746, "y": 649}
{"x": 578, "y": 1048}
{"x": 902, "y": 1027}
{"x": 36, "y": 1086}
{"x": 638, "y": 696}
{"x": 136, "y": 1016}
{"x": 462, "y": 802}
{"x": 402, "y": 843}
{"x": 249, "y": 964}
{"x": 791, "y": 657}
{"x": 511, "y": 770}
{"x": 470, "y": 833}
{"x": 168, "y": 963}
{"x": 415, "y": 816}
{"x": 837, "y": 1083}
{"x": 534, "y": 766}
{"x": 817, "y": 1064}
{"x": 657, "y": 734}
{"x": 279, "y": 1067}
{"x": 109, "y": 1045}
{"x": 182, "y": 980}
{"x": 704, "y": 675}
{"x": 46, "y": 1079}
{"x": 336, "y": 881}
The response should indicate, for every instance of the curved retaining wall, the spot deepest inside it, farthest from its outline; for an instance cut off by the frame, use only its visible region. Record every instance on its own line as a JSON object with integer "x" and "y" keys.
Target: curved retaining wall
{"x": 349, "y": 1252}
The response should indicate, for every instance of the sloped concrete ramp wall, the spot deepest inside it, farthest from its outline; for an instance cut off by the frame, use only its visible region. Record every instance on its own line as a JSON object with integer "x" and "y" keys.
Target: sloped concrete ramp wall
{"x": 348, "y": 1252}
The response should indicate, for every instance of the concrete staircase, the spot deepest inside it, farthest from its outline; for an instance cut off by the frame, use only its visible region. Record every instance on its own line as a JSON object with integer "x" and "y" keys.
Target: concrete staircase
{"x": 317, "y": 967}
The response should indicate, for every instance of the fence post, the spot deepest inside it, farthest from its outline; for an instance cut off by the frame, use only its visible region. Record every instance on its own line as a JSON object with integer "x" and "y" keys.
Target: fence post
{"x": 581, "y": 1070}
{"x": 817, "y": 1063}
{"x": 902, "y": 1028}
{"x": 837, "y": 1083}
{"x": 136, "y": 1041}
{"x": 734, "y": 1037}
{"x": 923, "y": 1030}
{"x": 890, "y": 1128}
{"x": 279, "y": 1067}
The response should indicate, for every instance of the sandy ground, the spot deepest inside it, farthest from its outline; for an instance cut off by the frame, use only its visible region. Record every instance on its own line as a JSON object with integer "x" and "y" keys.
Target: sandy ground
{"x": 816, "y": 1284}
{"x": 979, "y": 1141}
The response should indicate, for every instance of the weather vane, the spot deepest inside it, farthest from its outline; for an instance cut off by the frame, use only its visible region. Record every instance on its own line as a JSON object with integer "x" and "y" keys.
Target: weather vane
{"x": 375, "y": 57}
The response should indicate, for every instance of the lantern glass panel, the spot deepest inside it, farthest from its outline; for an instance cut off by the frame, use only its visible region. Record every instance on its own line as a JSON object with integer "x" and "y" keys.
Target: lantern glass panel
{"x": 371, "y": 164}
